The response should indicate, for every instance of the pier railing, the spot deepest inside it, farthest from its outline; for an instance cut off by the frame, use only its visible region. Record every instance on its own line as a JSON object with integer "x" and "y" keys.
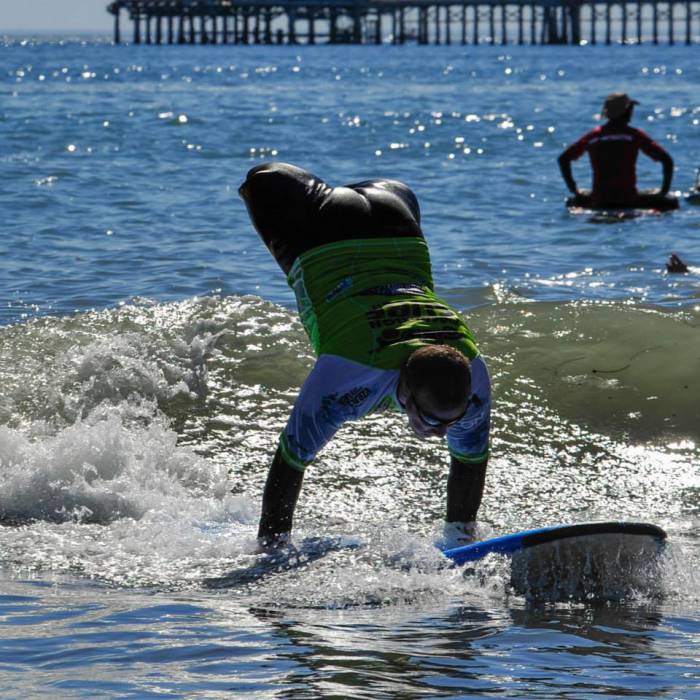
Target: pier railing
{"x": 400, "y": 22}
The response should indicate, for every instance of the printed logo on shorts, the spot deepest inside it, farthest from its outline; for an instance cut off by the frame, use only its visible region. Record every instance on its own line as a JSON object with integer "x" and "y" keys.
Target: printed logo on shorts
{"x": 354, "y": 397}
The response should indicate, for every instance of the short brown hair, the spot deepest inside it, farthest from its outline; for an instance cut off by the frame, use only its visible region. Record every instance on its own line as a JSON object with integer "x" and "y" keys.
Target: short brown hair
{"x": 441, "y": 371}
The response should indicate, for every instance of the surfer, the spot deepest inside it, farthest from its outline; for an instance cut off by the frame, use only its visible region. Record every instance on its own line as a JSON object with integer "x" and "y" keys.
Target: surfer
{"x": 359, "y": 265}
{"x": 613, "y": 149}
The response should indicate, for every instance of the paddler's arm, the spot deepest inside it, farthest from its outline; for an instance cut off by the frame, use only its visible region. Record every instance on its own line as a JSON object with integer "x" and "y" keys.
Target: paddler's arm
{"x": 667, "y": 162}
{"x": 279, "y": 501}
{"x": 657, "y": 152}
{"x": 465, "y": 488}
{"x": 565, "y": 167}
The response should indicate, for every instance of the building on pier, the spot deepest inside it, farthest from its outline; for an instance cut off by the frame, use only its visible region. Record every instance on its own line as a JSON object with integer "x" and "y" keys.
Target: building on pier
{"x": 400, "y": 22}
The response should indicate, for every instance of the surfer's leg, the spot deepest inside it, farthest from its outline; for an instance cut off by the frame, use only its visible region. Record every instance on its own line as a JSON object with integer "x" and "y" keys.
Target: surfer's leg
{"x": 370, "y": 209}
{"x": 283, "y": 202}
{"x": 279, "y": 501}
{"x": 293, "y": 210}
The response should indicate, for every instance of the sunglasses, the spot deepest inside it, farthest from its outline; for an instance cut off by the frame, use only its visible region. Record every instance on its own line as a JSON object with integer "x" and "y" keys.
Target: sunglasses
{"x": 433, "y": 421}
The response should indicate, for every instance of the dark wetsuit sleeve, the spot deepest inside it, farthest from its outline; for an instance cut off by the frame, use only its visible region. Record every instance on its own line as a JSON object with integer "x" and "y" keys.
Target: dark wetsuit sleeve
{"x": 648, "y": 146}
{"x": 577, "y": 149}
{"x": 294, "y": 211}
{"x": 465, "y": 489}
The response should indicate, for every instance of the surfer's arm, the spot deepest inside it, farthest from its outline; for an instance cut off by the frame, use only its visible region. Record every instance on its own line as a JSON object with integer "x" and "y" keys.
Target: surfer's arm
{"x": 322, "y": 407}
{"x": 468, "y": 442}
{"x": 465, "y": 489}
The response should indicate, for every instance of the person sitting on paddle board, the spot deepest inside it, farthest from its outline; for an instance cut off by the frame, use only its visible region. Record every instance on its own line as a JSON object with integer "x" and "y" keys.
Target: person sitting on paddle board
{"x": 613, "y": 149}
{"x": 359, "y": 266}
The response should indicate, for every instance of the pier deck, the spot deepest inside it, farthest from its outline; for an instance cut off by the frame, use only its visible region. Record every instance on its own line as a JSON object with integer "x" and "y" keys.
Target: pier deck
{"x": 400, "y": 22}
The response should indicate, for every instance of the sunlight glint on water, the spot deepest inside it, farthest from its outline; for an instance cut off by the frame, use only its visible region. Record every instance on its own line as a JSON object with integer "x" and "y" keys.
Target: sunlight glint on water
{"x": 150, "y": 355}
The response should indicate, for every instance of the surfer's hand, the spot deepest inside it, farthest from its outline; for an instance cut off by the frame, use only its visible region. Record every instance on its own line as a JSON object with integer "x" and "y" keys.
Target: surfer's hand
{"x": 273, "y": 544}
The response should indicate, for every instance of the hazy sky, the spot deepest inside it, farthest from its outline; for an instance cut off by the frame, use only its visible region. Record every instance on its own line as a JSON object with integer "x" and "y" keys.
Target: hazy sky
{"x": 55, "y": 15}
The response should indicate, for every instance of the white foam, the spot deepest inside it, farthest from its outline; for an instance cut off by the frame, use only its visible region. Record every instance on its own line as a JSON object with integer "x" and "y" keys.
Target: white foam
{"x": 94, "y": 453}
{"x": 118, "y": 501}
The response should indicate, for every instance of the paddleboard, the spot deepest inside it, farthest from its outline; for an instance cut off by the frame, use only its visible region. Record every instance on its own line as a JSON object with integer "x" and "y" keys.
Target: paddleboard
{"x": 647, "y": 203}
{"x": 584, "y": 561}
{"x": 612, "y": 216}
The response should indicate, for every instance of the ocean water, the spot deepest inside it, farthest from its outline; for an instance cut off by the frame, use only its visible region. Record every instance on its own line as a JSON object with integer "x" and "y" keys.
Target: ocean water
{"x": 150, "y": 354}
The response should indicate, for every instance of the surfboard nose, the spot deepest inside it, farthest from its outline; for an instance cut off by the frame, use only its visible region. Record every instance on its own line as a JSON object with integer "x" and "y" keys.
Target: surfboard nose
{"x": 606, "y": 567}
{"x": 585, "y": 561}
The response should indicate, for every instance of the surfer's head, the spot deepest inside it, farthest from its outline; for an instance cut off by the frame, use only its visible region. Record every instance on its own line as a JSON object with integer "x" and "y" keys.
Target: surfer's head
{"x": 618, "y": 107}
{"x": 434, "y": 389}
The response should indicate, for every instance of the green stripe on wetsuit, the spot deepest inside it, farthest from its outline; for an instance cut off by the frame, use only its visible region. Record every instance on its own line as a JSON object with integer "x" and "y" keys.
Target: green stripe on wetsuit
{"x": 371, "y": 300}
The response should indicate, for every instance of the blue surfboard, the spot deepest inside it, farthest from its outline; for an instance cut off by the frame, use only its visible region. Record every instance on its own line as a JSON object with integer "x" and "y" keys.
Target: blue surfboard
{"x": 519, "y": 541}
{"x": 600, "y": 561}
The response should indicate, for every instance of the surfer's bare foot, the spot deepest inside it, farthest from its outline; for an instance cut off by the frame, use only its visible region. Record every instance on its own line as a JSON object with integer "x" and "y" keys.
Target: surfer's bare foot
{"x": 675, "y": 264}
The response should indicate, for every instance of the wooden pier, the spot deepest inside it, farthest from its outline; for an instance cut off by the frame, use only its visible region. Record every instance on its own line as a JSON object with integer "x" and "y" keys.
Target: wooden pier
{"x": 400, "y": 22}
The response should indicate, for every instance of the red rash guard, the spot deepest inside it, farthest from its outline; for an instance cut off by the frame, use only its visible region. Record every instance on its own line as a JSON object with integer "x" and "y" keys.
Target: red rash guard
{"x": 613, "y": 149}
